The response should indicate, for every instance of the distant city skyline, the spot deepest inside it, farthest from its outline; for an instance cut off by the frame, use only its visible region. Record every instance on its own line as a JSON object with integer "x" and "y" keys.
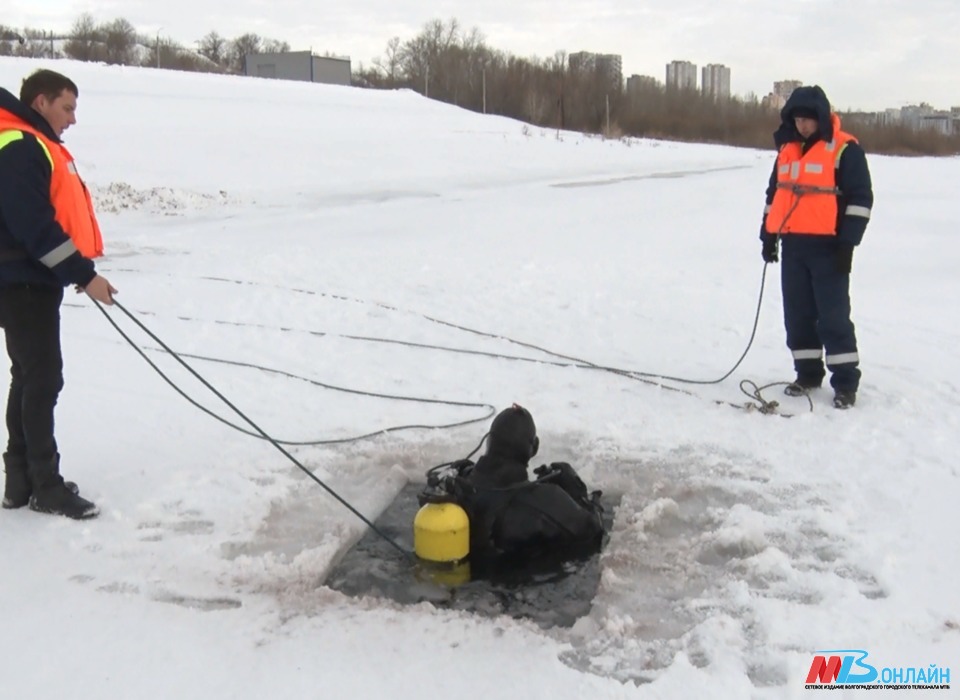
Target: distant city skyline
{"x": 866, "y": 54}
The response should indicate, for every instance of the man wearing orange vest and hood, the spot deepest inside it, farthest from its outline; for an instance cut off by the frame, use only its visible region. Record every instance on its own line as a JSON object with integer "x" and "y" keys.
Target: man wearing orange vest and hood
{"x": 48, "y": 239}
{"x": 818, "y": 205}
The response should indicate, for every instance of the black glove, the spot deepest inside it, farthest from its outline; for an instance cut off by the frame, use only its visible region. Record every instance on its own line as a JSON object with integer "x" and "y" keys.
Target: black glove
{"x": 546, "y": 472}
{"x": 564, "y": 476}
{"x": 844, "y": 258}
{"x": 769, "y": 252}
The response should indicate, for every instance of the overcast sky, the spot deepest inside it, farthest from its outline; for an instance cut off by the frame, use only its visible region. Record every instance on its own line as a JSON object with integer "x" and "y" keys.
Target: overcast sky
{"x": 866, "y": 54}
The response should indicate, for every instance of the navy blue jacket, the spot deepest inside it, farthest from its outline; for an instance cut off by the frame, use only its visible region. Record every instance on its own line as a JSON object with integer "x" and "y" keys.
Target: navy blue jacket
{"x": 853, "y": 175}
{"x": 28, "y": 225}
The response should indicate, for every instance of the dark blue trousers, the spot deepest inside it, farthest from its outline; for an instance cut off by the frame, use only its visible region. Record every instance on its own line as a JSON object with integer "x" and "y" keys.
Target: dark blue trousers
{"x": 816, "y": 313}
{"x": 30, "y": 317}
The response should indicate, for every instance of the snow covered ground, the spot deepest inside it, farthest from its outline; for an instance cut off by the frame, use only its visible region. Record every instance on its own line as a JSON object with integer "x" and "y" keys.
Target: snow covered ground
{"x": 273, "y": 223}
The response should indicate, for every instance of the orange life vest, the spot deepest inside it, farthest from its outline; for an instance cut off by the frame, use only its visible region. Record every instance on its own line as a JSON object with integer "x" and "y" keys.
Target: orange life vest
{"x": 70, "y": 198}
{"x": 806, "y": 196}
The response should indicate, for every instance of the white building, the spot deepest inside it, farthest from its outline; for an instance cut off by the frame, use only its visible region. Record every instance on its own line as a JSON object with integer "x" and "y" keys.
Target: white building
{"x": 298, "y": 65}
{"x": 715, "y": 81}
{"x": 636, "y": 83}
{"x": 940, "y": 122}
{"x": 782, "y": 89}
{"x": 681, "y": 75}
{"x": 785, "y": 88}
{"x": 609, "y": 65}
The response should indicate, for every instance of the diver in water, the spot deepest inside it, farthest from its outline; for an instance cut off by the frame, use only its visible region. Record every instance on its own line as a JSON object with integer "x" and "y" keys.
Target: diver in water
{"x": 516, "y": 522}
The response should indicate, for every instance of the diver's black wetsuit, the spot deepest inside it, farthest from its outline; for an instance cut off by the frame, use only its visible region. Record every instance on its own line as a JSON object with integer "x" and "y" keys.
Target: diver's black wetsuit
{"x": 515, "y": 521}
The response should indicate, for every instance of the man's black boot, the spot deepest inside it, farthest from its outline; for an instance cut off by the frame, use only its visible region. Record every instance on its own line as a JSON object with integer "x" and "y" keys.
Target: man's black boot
{"x": 844, "y": 399}
{"x": 802, "y": 385}
{"x": 17, "y": 489}
{"x": 52, "y": 495}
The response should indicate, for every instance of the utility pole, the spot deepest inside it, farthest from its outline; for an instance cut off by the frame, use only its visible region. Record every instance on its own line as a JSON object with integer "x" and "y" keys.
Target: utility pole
{"x": 608, "y": 116}
{"x": 158, "y": 47}
{"x": 560, "y": 103}
{"x": 483, "y": 75}
{"x": 426, "y": 82}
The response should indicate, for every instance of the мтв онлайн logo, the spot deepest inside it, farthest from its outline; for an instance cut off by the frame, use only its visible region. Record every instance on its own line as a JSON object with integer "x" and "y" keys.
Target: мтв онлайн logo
{"x": 847, "y": 667}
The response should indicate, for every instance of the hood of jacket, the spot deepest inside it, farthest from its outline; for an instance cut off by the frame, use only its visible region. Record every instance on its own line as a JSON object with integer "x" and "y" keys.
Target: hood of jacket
{"x": 11, "y": 103}
{"x": 810, "y": 98}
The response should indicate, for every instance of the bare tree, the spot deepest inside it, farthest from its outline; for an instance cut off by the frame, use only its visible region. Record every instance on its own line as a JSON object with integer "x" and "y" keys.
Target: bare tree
{"x": 471, "y": 74}
{"x": 274, "y": 46}
{"x": 442, "y": 44}
{"x": 240, "y": 47}
{"x": 390, "y": 64}
{"x": 437, "y": 60}
{"x": 120, "y": 40}
{"x": 215, "y": 48}
{"x": 557, "y": 66}
{"x": 85, "y": 43}
{"x": 415, "y": 61}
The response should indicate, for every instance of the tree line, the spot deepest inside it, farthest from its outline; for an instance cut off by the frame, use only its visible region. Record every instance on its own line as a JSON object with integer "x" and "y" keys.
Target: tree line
{"x": 448, "y": 63}
{"x": 117, "y": 42}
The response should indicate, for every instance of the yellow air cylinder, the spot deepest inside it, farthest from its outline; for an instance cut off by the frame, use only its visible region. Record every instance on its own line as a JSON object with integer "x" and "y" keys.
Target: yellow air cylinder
{"x": 441, "y": 533}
